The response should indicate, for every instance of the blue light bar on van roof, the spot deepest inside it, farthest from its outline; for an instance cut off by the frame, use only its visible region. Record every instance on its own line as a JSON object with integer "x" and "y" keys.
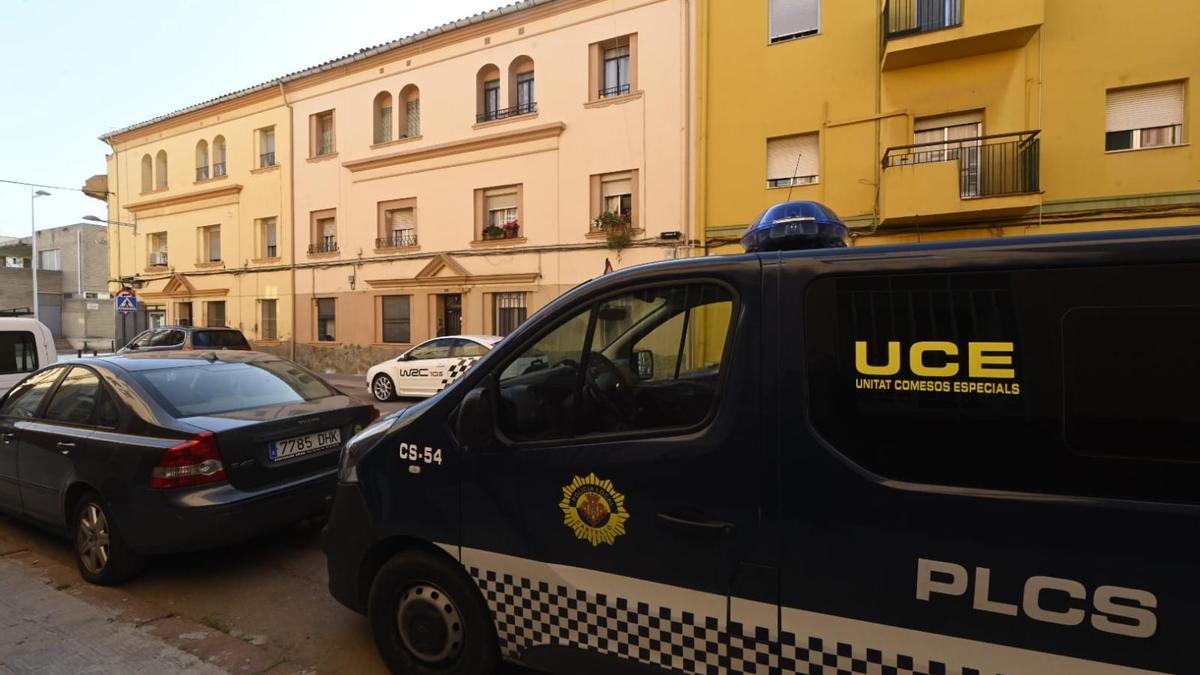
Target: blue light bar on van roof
{"x": 792, "y": 226}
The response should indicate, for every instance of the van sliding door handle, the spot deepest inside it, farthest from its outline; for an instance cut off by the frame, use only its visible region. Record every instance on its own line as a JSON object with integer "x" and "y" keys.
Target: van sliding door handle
{"x": 711, "y": 528}
{"x": 8, "y": 437}
{"x": 65, "y": 447}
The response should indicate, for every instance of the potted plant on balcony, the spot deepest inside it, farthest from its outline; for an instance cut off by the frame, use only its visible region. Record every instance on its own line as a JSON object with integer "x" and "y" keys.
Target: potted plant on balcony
{"x": 512, "y": 229}
{"x": 616, "y": 226}
{"x": 493, "y": 232}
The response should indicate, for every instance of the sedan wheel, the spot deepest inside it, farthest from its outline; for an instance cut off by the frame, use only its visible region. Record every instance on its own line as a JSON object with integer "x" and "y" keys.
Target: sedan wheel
{"x": 100, "y": 553}
{"x": 383, "y": 388}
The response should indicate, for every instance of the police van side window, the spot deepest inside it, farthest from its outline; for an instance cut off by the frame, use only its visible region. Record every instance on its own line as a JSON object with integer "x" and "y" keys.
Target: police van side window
{"x": 646, "y": 360}
{"x": 1051, "y": 381}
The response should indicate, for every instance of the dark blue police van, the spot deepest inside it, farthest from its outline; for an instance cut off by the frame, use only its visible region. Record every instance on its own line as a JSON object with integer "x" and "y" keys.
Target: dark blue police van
{"x": 970, "y": 458}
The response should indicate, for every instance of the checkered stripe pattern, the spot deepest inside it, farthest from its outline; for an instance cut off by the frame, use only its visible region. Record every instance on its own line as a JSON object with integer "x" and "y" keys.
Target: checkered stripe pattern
{"x": 530, "y": 613}
{"x": 456, "y": 370}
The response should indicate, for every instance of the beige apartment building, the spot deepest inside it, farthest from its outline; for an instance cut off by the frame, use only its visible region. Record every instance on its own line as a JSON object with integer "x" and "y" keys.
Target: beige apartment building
{"x": 453, "y": 181}
{"x": 200, "y": 218}
{"x": 458, "y": 180}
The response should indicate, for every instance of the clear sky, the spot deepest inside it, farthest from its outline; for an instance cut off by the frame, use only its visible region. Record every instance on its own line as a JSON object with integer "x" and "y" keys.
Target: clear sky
{"x": 74, "y": 69}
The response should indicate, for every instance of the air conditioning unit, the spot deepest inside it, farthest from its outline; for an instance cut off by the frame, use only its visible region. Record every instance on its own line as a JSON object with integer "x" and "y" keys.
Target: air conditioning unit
{"x": 158, "y": 259}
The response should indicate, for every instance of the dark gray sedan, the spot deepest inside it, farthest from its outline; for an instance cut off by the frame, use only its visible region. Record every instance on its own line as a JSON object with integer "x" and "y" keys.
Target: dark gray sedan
{"x": 138, "y": 454}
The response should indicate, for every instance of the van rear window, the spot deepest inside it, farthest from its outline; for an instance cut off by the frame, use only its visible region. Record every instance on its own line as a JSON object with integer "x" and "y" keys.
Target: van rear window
{"x": 18, "y": 352}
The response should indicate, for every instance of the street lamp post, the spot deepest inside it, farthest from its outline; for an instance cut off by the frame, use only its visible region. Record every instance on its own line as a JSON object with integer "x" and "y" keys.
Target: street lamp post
{"x": 33, "y": 239}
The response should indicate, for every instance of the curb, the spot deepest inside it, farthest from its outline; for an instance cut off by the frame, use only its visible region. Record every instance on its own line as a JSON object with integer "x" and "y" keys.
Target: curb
{"x": 211, "y": 646}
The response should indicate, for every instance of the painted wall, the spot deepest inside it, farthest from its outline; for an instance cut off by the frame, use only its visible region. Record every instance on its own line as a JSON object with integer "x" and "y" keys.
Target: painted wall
{"x": 1036, "y": 66}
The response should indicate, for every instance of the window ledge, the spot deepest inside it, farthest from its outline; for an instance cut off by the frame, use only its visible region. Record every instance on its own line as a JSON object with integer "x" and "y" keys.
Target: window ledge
{"x": 264, "y": 261}
{"x": 614, "y": 100}
{"x": 800, "y": 36}
{"x": 484, "y": 243}
{"x": 322, "y": 158}
{"x": 603, "y": 234}
{"x": 154, "y": 191}
{"x": 156, "y": 269}
{"x": 210, "y": 264}
{"x": 504, "y": 120}
{"x": 206, "y": 181}
{"x": 1153, "y": 147}
{"x": 326, "y": 254}
{"x": 397, "y": 249}
{"x": 798, "y": 185}
{"x": 265, "y": 169}
{"x": 398, "y": 141}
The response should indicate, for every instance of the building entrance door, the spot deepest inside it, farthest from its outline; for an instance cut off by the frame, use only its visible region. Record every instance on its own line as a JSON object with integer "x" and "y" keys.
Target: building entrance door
{"x": 449, "y": 315}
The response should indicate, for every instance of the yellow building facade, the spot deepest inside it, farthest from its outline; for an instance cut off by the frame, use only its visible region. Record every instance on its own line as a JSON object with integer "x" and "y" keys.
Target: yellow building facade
{"x": 923, "y": 120}
{"x": 200, "y": 219}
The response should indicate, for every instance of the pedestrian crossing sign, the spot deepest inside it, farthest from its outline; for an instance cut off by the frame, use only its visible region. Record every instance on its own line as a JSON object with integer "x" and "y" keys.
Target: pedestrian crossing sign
{"x": 126, "y": 303}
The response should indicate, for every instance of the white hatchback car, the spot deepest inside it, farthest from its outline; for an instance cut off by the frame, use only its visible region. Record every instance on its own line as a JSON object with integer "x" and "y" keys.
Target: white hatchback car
{"x": 429, "y": 367}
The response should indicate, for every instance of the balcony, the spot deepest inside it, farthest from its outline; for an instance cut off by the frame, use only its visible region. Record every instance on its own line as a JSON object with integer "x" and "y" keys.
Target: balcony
{"x": 201, "y": 173}
{"x": 397, "y": 239}
{"x": 917, "y": 32}
{"x": 266, "y": 159}
{"x": 218, "y": 169}
{"x": 609, "y": 92}
{"x": 326, "y": 245}
{"x": 996, "y": 175}
{"x": 504, "y": 113}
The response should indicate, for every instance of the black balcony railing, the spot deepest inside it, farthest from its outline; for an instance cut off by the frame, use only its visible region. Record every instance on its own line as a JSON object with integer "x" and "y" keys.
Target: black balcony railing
{"x": 909, "y": 17}
{"x": 266, "y": 159}
{"x": 218, "y": 169}
{"x": 619, "y": 90}
{"x": 326, "y": 245}
{"x": 397, "y": 240}
{"x": 202, "y": 173}
{"x": 988, "y": 166}
{"x": 502, "y": 113}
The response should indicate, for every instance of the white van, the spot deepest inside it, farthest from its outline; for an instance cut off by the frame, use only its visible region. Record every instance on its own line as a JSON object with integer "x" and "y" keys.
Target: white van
{"x": 25, "y": 345}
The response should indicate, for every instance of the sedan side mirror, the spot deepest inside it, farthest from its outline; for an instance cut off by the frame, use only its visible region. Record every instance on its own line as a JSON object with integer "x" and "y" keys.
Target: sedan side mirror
{"x": 475, "y": 429}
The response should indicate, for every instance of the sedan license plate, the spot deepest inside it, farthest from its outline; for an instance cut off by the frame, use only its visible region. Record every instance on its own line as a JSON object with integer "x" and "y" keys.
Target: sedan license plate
{"x": 287, "y": 448}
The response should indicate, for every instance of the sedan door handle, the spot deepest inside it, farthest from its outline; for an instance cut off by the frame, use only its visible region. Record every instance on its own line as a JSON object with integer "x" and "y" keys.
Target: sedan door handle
{"x": 710, "y": 528}
{"x": 8, "y": 437}
{"x": 65, "y": 447}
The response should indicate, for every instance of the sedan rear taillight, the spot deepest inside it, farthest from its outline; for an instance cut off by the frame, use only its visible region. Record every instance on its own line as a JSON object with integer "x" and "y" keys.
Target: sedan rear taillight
{"x": 193, "y": 462}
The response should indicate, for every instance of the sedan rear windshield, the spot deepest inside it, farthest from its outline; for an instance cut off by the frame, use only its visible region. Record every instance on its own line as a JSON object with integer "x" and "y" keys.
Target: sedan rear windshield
{"x": 211, "y": 389}
{"x": 217, "y": 339}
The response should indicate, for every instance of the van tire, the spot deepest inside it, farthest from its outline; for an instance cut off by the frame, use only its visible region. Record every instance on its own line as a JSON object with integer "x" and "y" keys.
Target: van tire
{"x": 448, "y": 629}
{"x": 92, "y": 524}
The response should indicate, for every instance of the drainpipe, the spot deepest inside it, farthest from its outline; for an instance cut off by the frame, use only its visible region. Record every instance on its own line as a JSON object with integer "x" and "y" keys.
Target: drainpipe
{"x": 291, "y": 210}
{"x": 79, "y": 277}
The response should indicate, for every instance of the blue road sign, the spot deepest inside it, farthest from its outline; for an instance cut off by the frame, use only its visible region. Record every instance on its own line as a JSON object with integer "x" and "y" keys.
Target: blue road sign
{"x": 126, "y": 303}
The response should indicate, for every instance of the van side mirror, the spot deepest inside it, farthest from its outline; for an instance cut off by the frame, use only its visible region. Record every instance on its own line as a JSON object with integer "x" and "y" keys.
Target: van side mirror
{"x": 475, "y": 429}
{"x": 645, "y": 364}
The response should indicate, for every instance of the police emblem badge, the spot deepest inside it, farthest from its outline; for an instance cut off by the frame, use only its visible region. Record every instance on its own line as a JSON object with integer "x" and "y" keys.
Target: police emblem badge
{"x": 594, "y": 510}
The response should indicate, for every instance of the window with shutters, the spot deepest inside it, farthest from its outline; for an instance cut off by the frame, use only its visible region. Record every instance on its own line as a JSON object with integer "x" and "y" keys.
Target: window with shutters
{"x": 613, "y": 68}
{"x": 160, "y": 170}
{"x": 487, "y": 93}
{"x": 793, "y": 160}
{"x": 511, "y": 311}
{"x": 382, "y": 117}
{"x": 156, "y": 246}
{"x": 268, "y": 320}
{"x": 147, "y": 173}
{"x": 214, "y": 314}
{"x": 791, "y": 19}
{"x": 956, "y": 137}
{"x": 210, "y": 244}
{"x": 268, "y": 237}
{"x": 266, "y": 147}
{"x": 410, "y": 121}
{"x": 614, "y": 200}
{"x": 202, "y": 160}
{"x": 50, "y": 260}
{"x": 218, "y": 152}
{"x": 321, "y": 134}
{"x": 1144, "y": 117}
{"x": 395, "y": 311}
{"x": 397, "y": 224}
{"x": 498, "y": 213}
{"x": 324, "y": 231}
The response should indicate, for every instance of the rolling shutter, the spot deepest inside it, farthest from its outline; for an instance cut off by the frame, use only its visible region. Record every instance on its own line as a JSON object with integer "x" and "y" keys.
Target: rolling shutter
{"x": 1144, "y": 107}
{"x": 792, "y": 156}
{"x": 790, "y": 18}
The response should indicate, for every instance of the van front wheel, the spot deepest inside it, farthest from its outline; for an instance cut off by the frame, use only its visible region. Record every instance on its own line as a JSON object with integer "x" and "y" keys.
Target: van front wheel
{"x": 428, "y": 617}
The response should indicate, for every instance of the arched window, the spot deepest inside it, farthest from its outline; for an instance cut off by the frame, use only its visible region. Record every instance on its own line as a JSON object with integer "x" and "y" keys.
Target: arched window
{"x": 147, "y": 173}
{"x": 487, "y": 93}
{"x": 218, "y": 152}
{"x": 160, "y": 170}
{"x": 410, "y": 121}
{"x": 381, "y": 112}
{"x": 202, "y": 160}
{"x": 521, "y": 100}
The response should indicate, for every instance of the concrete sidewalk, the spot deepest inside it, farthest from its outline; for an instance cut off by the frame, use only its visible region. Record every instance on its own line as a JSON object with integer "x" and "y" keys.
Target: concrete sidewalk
{"x": 44, "y": 630}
